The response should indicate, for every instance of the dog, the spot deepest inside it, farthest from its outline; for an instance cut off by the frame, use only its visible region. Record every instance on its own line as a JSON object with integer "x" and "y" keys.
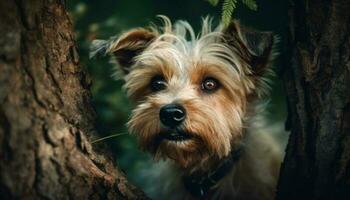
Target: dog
{"x": 197, "y": 103}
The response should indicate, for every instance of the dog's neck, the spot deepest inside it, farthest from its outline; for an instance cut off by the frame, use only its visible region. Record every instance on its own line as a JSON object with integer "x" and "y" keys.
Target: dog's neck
{"x": 200, "y": 183}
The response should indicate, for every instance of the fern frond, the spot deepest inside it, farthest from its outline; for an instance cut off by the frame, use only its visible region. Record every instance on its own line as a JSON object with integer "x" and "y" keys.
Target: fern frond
{"x": 251, "y": 4}
{"x": 213, "y": 2}
{"x": 227, "y": 10}
{"x": 228, "y": 7}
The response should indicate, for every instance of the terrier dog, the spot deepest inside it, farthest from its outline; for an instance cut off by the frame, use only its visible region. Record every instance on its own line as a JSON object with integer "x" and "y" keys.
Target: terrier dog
{"x": 196, "y": 100}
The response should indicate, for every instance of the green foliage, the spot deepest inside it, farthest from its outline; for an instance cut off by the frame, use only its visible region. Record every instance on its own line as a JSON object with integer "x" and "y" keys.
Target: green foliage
{"x": 227, "y": 10}
{"x": 229, "y": 6}
{"x": 213, "y": 2}
{"x": 251, "y": 4}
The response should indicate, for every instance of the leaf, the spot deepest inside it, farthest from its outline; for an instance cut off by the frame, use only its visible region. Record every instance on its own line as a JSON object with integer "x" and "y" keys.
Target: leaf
{"x": 213, "y": 2}
{"x": 227, "y": 10}
{"x": 228, "y": 7}
{"x": 251, "y": 4}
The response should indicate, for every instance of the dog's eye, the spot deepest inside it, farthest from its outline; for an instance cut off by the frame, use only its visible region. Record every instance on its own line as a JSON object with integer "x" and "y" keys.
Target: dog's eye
{"x": 158, "y": 83}
{"x": 210, "y": 84}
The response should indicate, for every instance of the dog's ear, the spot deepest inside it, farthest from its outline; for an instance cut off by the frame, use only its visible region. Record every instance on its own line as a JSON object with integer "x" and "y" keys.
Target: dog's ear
{"x": 123, "y": 48}
{"x": 255, "y": 47}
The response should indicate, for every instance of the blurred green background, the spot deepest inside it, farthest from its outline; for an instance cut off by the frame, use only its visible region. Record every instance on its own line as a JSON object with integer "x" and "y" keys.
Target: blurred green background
{"x": 102, "y": 19}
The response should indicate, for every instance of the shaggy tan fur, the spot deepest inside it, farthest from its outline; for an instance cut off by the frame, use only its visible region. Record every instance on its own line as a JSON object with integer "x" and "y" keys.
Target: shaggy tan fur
{"x": 220, "y": 121}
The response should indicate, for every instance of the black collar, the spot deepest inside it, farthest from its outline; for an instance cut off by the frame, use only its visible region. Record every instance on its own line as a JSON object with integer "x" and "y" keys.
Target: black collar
{"x": 200, "y": 184}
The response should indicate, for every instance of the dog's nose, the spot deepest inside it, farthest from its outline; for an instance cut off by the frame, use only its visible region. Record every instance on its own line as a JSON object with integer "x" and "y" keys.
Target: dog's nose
{"x": 172, "y": 115}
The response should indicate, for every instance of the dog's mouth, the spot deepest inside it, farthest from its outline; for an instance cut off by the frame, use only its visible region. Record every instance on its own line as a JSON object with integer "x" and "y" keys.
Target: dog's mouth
{"x": 176, "y": 135}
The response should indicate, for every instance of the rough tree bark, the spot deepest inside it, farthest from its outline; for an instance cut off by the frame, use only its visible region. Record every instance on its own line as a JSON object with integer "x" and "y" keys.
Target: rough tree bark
{"x": 317, "y": 83}
{"x": 45, "y": 111}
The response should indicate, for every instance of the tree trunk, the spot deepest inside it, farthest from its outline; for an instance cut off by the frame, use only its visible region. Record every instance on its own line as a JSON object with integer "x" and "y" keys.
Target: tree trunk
{"x": 317, "y": 82}
{"x": 45, "y": 111}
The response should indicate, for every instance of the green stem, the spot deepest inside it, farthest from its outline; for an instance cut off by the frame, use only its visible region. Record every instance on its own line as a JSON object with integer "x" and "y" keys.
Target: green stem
{"x": 107, "y": 137}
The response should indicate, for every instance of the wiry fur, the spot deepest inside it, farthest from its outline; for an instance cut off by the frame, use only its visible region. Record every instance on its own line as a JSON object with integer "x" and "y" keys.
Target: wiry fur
{"x": 219, "y": 121}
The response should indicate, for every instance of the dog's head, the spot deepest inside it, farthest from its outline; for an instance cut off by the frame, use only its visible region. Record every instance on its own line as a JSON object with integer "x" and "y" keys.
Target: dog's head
{"x": 191, "y": 91}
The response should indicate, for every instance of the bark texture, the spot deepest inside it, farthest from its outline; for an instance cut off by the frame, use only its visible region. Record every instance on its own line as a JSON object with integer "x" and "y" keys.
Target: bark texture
{"x": 317, "y": 82}
{"x": 45, "y": 111}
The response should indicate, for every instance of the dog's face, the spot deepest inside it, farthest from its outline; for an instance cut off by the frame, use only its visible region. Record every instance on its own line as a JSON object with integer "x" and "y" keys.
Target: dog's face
{"x": 191, "y": 95}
